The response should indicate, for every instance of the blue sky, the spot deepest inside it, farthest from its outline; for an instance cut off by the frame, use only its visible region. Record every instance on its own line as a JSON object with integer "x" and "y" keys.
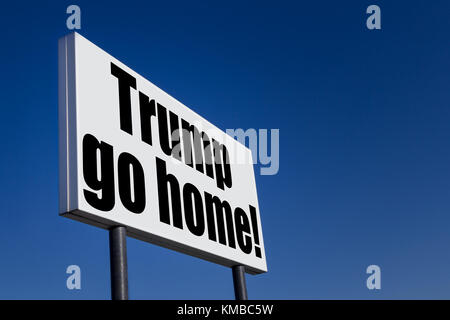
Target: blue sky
{"x": 364, "y": 130}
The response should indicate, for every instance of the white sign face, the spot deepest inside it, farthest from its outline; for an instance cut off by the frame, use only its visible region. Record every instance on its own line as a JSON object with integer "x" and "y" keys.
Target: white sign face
{"x": 132, "y": 155}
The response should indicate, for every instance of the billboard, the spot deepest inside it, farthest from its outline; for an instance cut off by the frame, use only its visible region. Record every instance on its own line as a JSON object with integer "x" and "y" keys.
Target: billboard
{"x": 132, "y": 155}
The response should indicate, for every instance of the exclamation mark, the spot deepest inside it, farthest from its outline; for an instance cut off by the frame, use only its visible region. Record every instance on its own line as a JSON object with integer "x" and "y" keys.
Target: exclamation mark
{"x": 255, "y": 230}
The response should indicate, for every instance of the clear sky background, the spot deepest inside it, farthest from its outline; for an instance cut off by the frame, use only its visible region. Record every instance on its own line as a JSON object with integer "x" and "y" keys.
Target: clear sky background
{"x": 364, "y": 121}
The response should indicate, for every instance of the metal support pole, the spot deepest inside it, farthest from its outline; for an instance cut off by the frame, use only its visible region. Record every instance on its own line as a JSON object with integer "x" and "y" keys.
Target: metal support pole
{"x": 240, "y": 288}
{"x": 118, "y": 261}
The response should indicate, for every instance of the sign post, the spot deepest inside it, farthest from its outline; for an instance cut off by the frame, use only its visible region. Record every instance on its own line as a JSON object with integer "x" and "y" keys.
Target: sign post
{"x": 240, "y": 288}
{"x": 118, "y": 263}
{"x": 137, "y": 162}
